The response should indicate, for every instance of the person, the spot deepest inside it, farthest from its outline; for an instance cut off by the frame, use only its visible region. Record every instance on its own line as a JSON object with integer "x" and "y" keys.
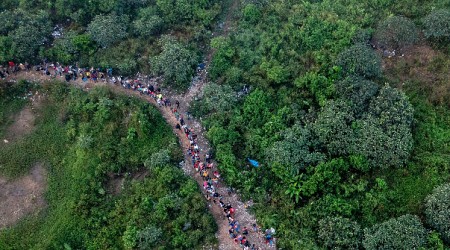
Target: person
{"x": 178, "y": 126}
{"x": 177, "y": 103}
{"x": 245, "y": 231}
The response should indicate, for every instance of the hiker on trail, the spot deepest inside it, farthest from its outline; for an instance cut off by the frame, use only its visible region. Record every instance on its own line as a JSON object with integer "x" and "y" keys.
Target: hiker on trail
{"x": 181, "y": 120}
{"x": 255, "y": 228}
{"x": 178, "y": 126}
{"x": 177, "y": 103}
{"x": 245, "y": 231}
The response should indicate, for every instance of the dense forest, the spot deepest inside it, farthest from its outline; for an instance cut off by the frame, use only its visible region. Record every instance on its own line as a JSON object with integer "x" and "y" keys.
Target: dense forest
{"x": 345, "y": 104}
{"x": 351, "y": 143}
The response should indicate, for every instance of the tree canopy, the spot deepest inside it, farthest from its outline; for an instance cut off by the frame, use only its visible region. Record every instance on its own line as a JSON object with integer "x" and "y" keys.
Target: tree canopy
{"x": 438, "y": 210}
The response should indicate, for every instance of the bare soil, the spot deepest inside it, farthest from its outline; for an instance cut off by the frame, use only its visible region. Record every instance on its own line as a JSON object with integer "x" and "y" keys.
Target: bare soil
{"x": 242, "y": 214}
{"x": 424, "y": 67}
{"x": 22, "y": 196}
{"x": 24, "y": 121}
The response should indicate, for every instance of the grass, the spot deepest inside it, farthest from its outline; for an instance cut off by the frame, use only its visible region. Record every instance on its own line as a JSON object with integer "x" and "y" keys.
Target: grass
{"x": 80, "y": 214}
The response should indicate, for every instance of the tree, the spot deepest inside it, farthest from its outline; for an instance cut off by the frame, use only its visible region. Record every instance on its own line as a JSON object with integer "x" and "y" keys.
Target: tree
{"x": 437, "y": 25}
{"x": 395, "y": 33}
{"x": 383, "y": 135}
{"x": 437, "y": 210}
{"x": 294, "y": 152}
{"x": 392, "y": 108}
{"x": 219, "y": 98}
{"x": 148, "y": 22}
{"x": 149, "y": 237}
{"x": 358, "y": 91}
{"x": 339, "y": 233}
{"x": 405, "y": 232}
{"x": 176, "y": 62}
{"x": 360, "y": 60}
{"x": 5, "y": 49}
{"x": 158, "y": 159}
{"x": 108, "y": 29}
{"x": 333, "y": 127}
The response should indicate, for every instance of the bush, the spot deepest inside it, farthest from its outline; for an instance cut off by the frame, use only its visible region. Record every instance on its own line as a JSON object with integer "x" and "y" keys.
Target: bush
{"x": 360, "y": 60}
{"x": 358, "y": 91}
{"x": 339, "y": 233}
{"x": 158, "y": 159}
{"x": 437, "y": 25}
{"x": 176, "y": 62}
{"x": 108, "y": 29}
{"x": 405, "y": 232}
{"x": 148, "y": 23}
{"x": 438, "y": 210}
{"x": 333, "y": 127}
{"x": 396, "y": 32}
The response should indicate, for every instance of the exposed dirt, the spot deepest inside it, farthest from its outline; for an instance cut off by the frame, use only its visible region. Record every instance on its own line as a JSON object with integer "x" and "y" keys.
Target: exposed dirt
{"x": 24, "y": 121}
{"x": 22, "y": 196}
{"x": 424, "y": 67}
{"x": 242, "y": 215}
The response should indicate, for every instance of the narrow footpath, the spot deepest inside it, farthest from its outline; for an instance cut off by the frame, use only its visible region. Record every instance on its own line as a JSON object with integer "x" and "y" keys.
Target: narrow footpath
{"x": 240, "y": 214}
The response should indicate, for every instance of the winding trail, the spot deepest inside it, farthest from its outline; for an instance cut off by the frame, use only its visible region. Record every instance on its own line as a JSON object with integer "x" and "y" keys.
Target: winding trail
{"x": 241, "y": 215}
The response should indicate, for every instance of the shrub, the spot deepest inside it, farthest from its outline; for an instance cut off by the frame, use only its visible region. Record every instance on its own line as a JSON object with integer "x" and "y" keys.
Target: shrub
{"x": 405, "y": 232}
{"x": 148, "y": 23}
{"x": 176, "y": 62}
{"x": 339, "y": 233}
{"x": 358, "y": 91}
{"x": 438, "y": 210}
{"x": 396, "y": 32}
{"x": 333, "y": 127}
{"x": 108, "y": 29}
{"x": 158, "y": 159}
{"x": 360, "y": 60}
{"x": 437, "y": 25}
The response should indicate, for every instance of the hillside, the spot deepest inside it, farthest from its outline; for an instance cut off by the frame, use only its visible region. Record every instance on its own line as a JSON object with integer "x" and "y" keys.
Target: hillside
{"x": 330, "y": 119}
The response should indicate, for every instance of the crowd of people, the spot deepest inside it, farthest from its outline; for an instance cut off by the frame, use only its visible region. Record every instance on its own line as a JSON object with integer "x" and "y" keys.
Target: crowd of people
{"x": 204, "y": 166}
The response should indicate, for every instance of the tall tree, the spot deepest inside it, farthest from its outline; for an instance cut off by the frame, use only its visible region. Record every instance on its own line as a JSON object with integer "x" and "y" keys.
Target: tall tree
{"x": 405, "y": 232}
{"x": 176, "y": 62}
{"x": 437, "y": 210}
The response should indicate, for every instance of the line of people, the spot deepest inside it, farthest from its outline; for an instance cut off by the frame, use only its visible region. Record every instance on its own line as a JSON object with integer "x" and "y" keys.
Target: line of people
{"x": 210, "y": 176}
{"x": 206, "y": 169}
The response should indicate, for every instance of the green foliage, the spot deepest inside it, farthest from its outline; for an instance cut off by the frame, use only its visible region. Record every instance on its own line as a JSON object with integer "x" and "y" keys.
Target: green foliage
{"x": 404, "y": 232}
{"x": 360, "y": 60}
{"x": 176, "y": 62}
{"x": 293, "y": 153}
{"x": 396, "y": 32}
{"x": 339, "y": 233}
{"x": 438, "y": 210}
{"x": 158, "y": 159}
{"x": 358, "y": 92}
{"x": 437, "y": 25}
{"x": 148, "y": 23}
{"x": 333, "y": 127}
{"x": 105, "y": 133}
{"x": 218, "y": 98}
{"x": 149, "y": 237}
{"x": 108, "y": 29}
{"x": 251, "y": 13}
{"x": 384, "y": 136}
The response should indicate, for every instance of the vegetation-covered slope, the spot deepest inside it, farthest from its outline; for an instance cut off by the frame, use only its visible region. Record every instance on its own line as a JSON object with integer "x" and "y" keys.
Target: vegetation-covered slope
{"x": 341, "y": 146}
{"x": 84, "y": 138}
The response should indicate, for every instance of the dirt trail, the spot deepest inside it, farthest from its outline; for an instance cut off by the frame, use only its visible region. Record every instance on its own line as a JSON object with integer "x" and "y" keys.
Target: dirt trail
{"x": 242, "y": 215}
{"x": 22, "y": 196}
